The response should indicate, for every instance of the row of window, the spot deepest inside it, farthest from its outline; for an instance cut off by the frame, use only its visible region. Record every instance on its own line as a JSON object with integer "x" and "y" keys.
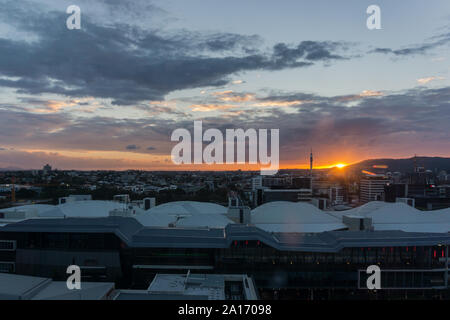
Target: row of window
{"x": 7, "y": 245}
{"x": 7, "y": 267}
{"x": 429, "y": 256}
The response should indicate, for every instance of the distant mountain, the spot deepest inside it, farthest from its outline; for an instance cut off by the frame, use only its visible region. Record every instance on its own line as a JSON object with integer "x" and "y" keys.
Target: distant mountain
{"x": 11, "y": 169}
{"x": 405, "y": 165}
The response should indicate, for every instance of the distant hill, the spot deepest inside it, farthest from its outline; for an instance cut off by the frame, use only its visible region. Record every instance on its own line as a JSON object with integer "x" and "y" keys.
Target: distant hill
{"x": 11, "y": 169}
{"x": 405, "y": 165}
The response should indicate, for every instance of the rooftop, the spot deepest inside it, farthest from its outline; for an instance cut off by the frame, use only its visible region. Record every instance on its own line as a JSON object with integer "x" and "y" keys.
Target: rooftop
{"x": 273, "y": 217}
{"x": 284, "y": 216}
{"x": 133, "y": 234}
{"x": 191, "y": 287}
{"x": 19, "y": 287}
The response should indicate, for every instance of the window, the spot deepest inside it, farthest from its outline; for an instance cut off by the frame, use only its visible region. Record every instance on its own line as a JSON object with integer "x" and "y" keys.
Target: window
{"x": 7, "y": 267}
{"x": 7, "y": 245}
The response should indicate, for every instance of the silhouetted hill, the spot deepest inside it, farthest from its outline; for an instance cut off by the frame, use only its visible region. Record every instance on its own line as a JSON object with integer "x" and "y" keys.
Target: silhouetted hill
{"x": 11, "y": 169}
{"x": 405, "y": 165}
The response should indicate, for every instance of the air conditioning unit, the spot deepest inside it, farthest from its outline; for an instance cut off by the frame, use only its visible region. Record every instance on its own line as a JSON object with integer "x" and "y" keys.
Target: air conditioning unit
{"x": 357, "y": 223}
{"x": 320, "y": 203}
{"x": 241, "y": 214}
{"x": 409, "y": 201}
{"x": 149, "y": 203}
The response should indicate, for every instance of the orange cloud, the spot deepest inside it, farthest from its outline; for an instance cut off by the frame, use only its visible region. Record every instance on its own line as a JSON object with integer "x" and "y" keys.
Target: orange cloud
{"x": 371, "y": 93}
{"x": 428, "y": 79}
{"x": 229, "y": 96}
{"x": 163, "y": 103}
{"x": 280, "y": 103}
{"x": 210, "y": 107}
{"x": 364, "y": 94}
{"x": 53, "y": 106}
{"x": 221, "y": 93}
{"x": 237, "y": 98}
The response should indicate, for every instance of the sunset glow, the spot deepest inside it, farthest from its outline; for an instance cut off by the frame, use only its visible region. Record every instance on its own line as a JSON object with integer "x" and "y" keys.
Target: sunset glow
{"x": 120, "y": 107}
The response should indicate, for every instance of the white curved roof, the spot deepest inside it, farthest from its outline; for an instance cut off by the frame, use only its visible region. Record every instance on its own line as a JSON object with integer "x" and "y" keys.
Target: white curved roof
{"x": 439, "y": 212}
{"x": 204, "y": 220}
{"x": 76, "y": 209}
{"x": 189, "y": 207}
{"x": 38, "y": 209}
{"x": 400, "y": 216}
{"x": 366, "y": 208}
{"x": 179, "y": 213}
{"x": 201, "y": 220}
{"x": 154, "y": 220}
{"x": 186, "y": 214}
{"x": 280, "y": 216}
{"x": 284, "y": 216}
{"x": 88, "y": 208}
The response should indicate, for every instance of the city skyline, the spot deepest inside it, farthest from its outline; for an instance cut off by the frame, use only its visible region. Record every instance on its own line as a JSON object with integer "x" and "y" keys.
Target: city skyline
{"x": 109, "y": 95}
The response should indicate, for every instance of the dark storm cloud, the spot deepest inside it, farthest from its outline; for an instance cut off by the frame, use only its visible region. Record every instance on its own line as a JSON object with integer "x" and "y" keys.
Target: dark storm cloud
{"x": 227, "y": 41}
{"x": 309, "y": 50}
{"x": 435, "y": 42}
{"x": 129, "y": 64}
{"x": 17, "y": 125}
{"x": 60, "y": 131}
{"x": 132, "y": 147}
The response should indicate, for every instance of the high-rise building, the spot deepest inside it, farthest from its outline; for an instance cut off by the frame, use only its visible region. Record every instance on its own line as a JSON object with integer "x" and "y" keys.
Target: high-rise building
{"x": 301, "y": 182}
{"x": 337, "y": 195}
{"x": 256, "y": 182}
{"x": 372, "y": 188}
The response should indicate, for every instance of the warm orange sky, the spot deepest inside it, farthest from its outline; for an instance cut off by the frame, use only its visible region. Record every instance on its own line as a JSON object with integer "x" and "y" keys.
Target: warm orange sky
{"x": 105, "y": 160}
{"x": 100, "y": 97}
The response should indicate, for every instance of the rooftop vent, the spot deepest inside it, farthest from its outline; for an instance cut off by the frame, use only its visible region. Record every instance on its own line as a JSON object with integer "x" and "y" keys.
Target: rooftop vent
{"x": 357, "y": 223}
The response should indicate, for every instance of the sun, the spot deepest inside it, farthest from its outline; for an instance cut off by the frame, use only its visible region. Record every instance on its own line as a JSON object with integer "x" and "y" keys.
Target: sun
{"x": 340, "y": 165}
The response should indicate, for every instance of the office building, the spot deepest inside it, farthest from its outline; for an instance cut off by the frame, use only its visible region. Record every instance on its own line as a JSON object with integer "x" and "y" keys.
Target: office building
{"x": 371, "y": 188}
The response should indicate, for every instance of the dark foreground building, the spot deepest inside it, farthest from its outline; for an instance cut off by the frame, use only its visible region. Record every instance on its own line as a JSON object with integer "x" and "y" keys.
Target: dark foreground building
{"x": 323, "y": 265}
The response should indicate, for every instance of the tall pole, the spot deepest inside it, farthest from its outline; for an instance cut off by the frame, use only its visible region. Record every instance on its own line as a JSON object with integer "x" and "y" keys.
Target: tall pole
{"x": 311, "y": 170}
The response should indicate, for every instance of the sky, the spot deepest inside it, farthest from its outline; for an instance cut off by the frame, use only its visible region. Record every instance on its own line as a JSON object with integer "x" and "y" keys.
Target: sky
{"x": 109, "y": 96}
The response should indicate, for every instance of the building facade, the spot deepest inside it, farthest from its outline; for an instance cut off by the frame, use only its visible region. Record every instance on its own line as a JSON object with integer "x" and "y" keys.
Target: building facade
{"x": 372, "y": 189}
{"x": 120, "y": 250}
